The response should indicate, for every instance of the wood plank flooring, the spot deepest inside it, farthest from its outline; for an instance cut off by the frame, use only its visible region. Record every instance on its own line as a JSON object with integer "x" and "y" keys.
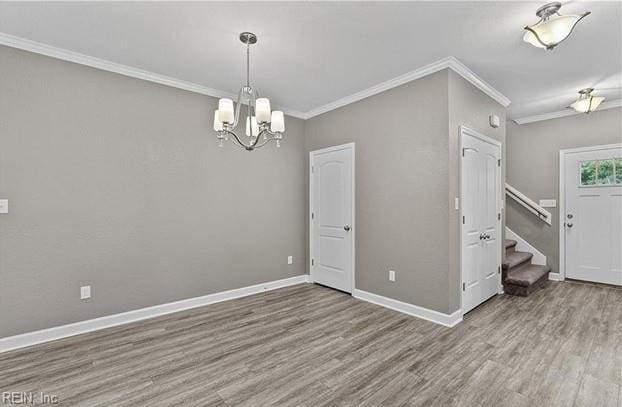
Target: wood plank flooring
{"x": 308, "y": 345}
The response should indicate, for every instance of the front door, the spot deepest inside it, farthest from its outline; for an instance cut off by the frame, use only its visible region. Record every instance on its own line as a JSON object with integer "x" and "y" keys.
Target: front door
{"x": 332, "y": 217}
{"x": 481, "y": 222}
{"x": 593, "y": 215}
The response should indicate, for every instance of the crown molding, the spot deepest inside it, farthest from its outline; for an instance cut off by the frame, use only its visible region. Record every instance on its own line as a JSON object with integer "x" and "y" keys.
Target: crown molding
{"x": 445, "y": 63}
{"x": 567, "y": 112}
{"x": 93, "y": 62}
{"x": 98, "y": 63}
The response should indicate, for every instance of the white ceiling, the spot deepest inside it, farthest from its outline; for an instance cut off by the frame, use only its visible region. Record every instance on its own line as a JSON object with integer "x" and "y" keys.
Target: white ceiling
{"x": 313, "y": 53}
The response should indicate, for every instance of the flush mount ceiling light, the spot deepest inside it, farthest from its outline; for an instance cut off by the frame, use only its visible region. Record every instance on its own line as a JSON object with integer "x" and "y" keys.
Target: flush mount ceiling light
{"x": 552, "y": 28}
{"x": 587, "y": 103}
{"x": 262, "y": 124}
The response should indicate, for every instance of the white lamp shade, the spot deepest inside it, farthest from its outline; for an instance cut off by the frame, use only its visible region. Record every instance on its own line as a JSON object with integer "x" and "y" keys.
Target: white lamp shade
{"x": 217, "y": 122}
{"x": 277, "y": 124}
{"x": 262, "y": 110}
{"x": 551, "y": 31}
{"x": 587, "y": 105}
{"x": 225, "y": 110}
{"x": 255, "y": 126}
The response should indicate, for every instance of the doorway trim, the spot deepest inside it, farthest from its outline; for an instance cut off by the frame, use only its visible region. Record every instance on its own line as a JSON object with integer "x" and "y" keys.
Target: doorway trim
{"x": 470, "y": 132}
{"x": 312, "y": 154}
{"x": 562, "y": 198}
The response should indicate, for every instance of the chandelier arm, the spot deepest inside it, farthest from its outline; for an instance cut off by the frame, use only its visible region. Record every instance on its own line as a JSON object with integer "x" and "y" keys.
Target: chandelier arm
{"x": 235, "y": 137}
{"x": 266, "y": 141}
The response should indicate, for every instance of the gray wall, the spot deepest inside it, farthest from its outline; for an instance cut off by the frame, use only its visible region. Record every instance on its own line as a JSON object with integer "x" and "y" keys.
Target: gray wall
{"x": 401, "y": 187}
{"x": 470, "y": 107}
{"x": 533, "y": 168}
{"x": 407, "y": 175}
{"x": 119, "y": 183}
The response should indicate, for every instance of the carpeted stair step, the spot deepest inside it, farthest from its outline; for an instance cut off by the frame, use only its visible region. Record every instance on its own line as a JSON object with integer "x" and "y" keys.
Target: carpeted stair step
{"x": 527, "y": 276}
{"x": 516, "y": 259}
{"x": 509, "y": 243}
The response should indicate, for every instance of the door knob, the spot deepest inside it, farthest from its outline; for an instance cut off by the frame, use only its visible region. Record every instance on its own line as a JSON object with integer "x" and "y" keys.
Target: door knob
{"x": 346, "y": 228}
{"x": 569, "y": 225}
{"x": 569, "y": 216}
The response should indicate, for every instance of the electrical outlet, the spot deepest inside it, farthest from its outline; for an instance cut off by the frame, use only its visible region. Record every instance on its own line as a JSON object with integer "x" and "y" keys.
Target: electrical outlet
{"x": 391, "y": 275}
{"x": 85, "y": 292}
{"x": 290, "y": 259}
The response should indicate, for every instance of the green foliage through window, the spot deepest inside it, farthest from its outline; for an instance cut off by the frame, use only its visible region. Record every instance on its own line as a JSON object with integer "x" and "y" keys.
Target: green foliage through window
{"x": 601, "y": 172}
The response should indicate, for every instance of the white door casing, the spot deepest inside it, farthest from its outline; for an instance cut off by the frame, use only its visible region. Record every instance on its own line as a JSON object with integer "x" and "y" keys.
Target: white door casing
{"x": 591, "y": 220}
{"x": 481, "y": 235}
{"x": 331, "y": 207}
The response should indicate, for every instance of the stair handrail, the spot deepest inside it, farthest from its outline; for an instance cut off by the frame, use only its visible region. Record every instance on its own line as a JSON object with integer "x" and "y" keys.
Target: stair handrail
{"x": 533, "y": 207}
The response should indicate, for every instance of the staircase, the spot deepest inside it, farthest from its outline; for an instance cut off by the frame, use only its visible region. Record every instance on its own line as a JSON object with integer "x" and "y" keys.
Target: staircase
{"x": 519, "y": 276}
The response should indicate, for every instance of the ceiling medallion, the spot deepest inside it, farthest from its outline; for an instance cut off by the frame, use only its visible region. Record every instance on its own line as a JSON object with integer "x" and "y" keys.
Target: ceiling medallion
{"x": 553, "y": 28}
{"x": 262, "y": 124}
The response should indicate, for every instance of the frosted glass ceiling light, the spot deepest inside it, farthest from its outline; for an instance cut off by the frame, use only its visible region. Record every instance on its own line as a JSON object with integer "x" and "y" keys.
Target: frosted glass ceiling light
{"x": 587, "y": 103}
{"x": 259, "y": 131}
{"x": 552, "y": 28}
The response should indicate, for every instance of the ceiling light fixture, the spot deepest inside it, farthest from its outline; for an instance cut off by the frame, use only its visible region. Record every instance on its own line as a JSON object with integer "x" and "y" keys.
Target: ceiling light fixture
{"x": 587, "y": 103}
{"x": 552, "y": 28}
{"x": 262, "y": 124}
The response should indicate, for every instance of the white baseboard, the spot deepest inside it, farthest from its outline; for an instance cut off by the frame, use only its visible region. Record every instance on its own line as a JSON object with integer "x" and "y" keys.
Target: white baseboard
{"x": 449, "y": 320}
{"x": 555, "y": 277}
{"x": 523, "y": 246}
{"x": 64, "y": 331}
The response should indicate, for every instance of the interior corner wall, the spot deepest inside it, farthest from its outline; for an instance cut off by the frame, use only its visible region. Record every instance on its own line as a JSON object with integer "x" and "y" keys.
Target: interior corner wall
{"x": 401, "y": 187}
{"x": 119, "y": 183}
{"x": 470, "y": 107}
{"x": 533, "y": 168}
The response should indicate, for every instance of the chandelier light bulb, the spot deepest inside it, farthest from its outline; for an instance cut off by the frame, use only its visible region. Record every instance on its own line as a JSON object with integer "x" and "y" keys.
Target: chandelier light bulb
{"x": 217, "y": 122}
{"x": 262, "y": 110}
{"x": 225, "y": 110}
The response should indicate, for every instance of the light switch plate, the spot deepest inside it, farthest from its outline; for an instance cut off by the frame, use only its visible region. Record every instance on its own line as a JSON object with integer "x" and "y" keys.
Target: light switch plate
{"x": 548, "y": 203}
{"x": 4, "y": 206}
{"x": 290, "y": 259}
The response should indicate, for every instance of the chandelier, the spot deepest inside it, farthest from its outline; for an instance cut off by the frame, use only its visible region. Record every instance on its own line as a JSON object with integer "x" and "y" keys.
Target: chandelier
{"x": 262, "y": 124}
{"x": 552, "y": 28}
{"x": 586, "y": 103}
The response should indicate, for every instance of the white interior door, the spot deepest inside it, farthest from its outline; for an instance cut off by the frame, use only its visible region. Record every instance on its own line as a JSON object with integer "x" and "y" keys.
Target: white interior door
{"x": 481, "y": 221}
{"x": 593, "y": 215}
{"x": 332, "y": 217}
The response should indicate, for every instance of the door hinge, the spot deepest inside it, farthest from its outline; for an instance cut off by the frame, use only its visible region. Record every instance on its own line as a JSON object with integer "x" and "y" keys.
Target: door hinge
{"x": 463, "y": 151}
{"x": 312, "y": 262}
{"x": 499, "y": 162}
{"x": 463, "y": 286}
{"x": 312, "y": 215}
{"x": 498, "y": 269}
{"x": 312, "y": 169}
{"x": 463, "y": 220}
{"x": 499, "y": 216}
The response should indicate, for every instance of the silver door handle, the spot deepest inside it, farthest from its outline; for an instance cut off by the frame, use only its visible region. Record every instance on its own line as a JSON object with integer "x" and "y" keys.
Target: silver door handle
{"x": 569, "y": 225}
{"x": 346, "y": 228}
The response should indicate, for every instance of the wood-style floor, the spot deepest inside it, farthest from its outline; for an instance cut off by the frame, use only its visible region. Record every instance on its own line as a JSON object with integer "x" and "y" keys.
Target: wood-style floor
{"x": 308, "y": 345}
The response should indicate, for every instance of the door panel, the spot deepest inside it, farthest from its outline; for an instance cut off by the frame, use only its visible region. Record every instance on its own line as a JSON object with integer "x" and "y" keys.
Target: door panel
{"x": 593, "y": 219}
{"x": 332, "y": 199}
{"x": 480, "y": 177}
